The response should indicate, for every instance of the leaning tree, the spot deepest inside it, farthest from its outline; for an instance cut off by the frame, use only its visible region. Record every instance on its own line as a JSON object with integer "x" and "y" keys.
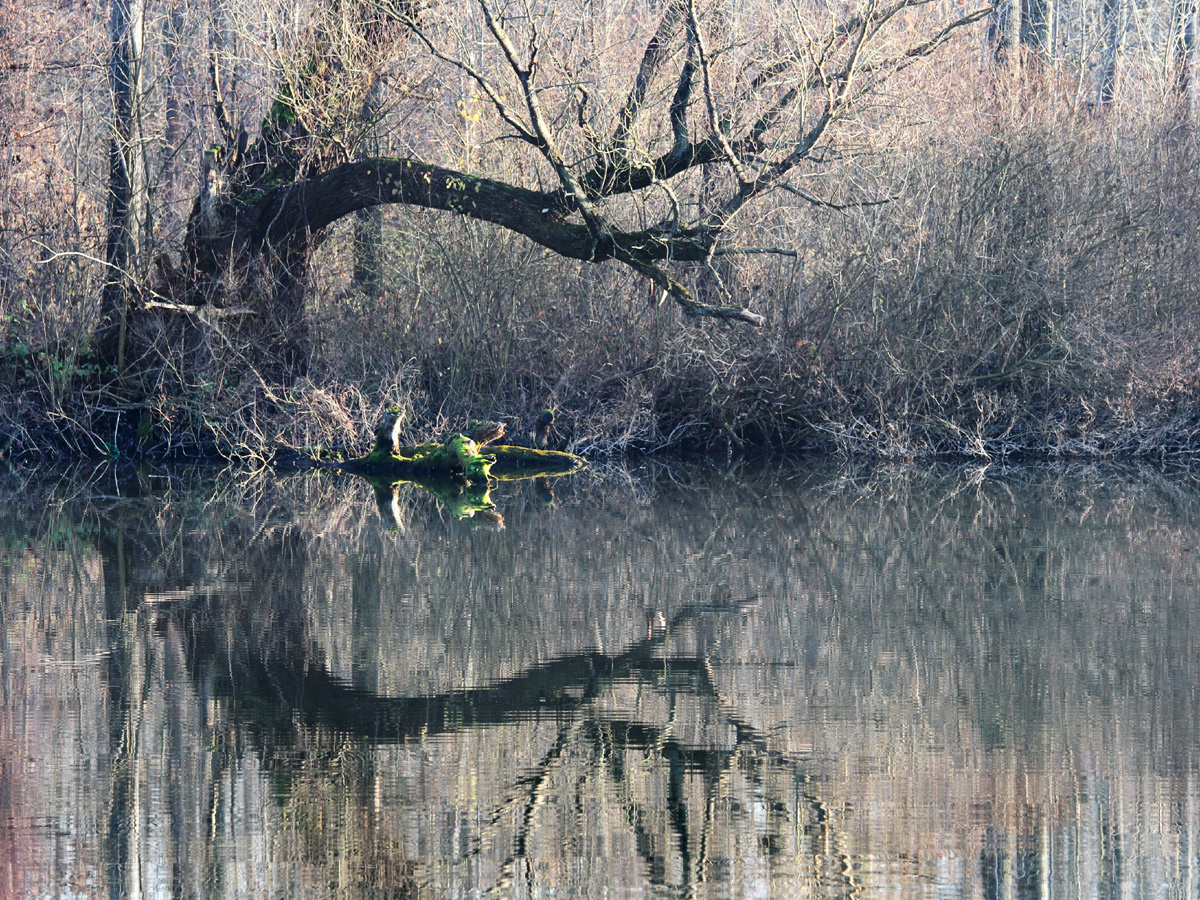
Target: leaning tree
{"x": 644, "y": 144}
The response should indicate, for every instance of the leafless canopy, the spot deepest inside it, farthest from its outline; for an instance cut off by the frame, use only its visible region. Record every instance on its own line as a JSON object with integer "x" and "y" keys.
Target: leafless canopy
{"x": 631, "y": 133}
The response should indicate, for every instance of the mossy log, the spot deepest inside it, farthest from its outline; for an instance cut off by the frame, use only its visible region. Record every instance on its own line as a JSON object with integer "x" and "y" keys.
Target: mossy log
{"x": 460, "y": 456}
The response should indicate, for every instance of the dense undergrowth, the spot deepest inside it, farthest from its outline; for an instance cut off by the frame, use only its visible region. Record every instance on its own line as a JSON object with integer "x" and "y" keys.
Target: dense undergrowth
{"x": 1010, "y": 274}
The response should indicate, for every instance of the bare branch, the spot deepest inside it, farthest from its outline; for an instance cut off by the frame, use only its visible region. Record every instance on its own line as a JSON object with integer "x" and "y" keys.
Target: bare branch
{"x": 756, "y": 251}
{"x": 922, "y": 50}
{"x": 652, "y": 58}
{"x": 202, "y": 311}
{"x": 683, "y": 297}
{"x": 541, "y": 128}
{"x": 706, "y": 79}
{"x": 502, "y": 107}
{"x": 829, "y": 204}
{"x": 838, "y": 94}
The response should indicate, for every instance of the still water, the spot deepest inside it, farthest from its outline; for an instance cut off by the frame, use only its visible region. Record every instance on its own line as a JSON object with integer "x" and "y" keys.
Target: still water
{"x": 796, "y": 682}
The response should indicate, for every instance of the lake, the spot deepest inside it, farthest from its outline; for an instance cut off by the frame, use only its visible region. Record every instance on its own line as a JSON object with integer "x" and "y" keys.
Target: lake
{"x": 772, "y": 681}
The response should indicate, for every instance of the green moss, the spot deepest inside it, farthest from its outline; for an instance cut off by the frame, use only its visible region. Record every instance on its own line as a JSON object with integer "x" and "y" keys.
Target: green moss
{"x": 283, "y": 111}
{"x": 458, "y": 457}
{"x": 509, "y": 463}
{"x": 462, "y": 452}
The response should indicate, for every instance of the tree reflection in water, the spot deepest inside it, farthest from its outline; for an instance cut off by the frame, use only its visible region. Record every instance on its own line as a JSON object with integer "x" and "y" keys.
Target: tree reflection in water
{"x": 578, "y": 758}
{"x": 918, "y": 682}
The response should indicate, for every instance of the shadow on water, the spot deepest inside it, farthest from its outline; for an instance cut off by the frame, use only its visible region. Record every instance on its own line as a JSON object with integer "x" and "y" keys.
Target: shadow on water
{"x": 683, "y": 683}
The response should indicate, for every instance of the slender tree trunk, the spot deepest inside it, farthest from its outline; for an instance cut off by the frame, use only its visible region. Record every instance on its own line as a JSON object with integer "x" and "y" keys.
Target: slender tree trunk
{"x": 1183, "y": 51}
{"x": 368, "y": 250}
{"x": 1003, "y": 23}
{"x": 172, "y": 132}
{"x": 1036, "y": 18}
{"x": 368, "y": 223}
{"x": 1112, "y": 12}
{"x": 1021, "y": 23}
{"x": 1036, "y": 27}
{"x": 126, "y": 178}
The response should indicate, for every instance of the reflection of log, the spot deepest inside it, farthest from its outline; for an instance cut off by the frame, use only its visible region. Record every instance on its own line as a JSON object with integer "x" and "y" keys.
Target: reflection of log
{"x": 525, "y": 462}
{"x": 464, "y": 500}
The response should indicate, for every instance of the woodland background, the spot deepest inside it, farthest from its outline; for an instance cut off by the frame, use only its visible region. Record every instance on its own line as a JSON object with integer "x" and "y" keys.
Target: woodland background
{"x": 989, "y": 247}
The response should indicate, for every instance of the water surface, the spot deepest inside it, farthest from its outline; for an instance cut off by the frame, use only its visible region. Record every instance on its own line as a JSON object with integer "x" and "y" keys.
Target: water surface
{"x": 783, "y": 682}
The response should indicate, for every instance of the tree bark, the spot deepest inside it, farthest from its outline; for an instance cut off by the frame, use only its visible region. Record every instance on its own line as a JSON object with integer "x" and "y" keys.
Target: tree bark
{"x": 1108, "y": 67}
{"x": 126, "y": 179}
{"x": 1183, "y": 50}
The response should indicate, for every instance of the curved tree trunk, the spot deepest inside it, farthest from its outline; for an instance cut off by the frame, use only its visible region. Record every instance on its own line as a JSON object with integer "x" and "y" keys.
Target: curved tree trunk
{"x": 254, "y": 244}
{"x": 265, "y": 204}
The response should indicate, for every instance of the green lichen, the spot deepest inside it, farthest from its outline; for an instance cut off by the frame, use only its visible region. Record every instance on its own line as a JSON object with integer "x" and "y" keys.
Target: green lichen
{"x": 458, "y": 457}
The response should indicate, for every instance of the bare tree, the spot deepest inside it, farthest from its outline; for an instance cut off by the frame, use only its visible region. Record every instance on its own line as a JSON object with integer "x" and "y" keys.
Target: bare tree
{"x": 127, "y": 175}
{"x": 1111, "y": 15}
{"x": 595, "y": 163}
{"x": 1183, "y": 48}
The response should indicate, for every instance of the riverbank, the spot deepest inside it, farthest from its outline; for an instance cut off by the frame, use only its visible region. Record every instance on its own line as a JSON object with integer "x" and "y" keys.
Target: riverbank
{"x": 661, "y": 409}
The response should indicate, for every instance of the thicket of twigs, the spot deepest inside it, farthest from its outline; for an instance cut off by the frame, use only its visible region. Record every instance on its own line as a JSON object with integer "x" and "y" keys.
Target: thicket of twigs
{"x": 1025, "y": 286}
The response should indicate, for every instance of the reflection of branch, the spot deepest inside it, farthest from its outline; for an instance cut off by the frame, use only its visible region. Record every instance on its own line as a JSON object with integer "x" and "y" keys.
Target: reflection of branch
{"x": 285, "y": 691}
{"x": 637, "y": 814}
{"x": 532, "y": 800}
{"x": 292, "y": 685}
